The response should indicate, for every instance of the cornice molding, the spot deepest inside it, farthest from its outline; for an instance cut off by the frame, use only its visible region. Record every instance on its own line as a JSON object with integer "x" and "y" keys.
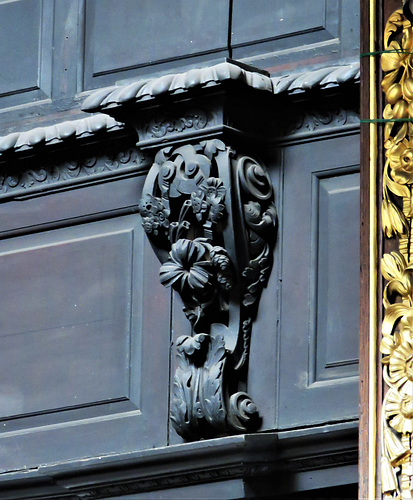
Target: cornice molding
{"x": 144, "y": 90}
{"x": 56, "y": 173}
{"x": 272, "y": 457}
{"x": 332, "y": 76}
{"x": 58, "y": 134}
{"x": 175, "y": 83}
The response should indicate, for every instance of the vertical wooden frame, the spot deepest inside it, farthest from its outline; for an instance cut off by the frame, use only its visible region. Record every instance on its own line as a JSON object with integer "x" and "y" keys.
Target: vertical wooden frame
{"x": 368, "y": 256}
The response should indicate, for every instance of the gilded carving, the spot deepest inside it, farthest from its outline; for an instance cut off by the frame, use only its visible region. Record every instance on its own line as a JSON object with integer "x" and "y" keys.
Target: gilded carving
{"x": 397, "y": 266}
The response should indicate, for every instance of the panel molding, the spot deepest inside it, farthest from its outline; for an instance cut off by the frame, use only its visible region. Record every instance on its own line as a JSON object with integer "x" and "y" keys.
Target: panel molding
{"x": 323, "y": 371}
{"x": 42, "y": 87}
{"x": 97, "y": 233}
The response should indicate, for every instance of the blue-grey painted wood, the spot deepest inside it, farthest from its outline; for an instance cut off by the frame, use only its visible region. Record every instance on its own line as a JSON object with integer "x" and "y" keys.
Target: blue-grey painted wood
{"x": 276, "y": 19}
{"x": 26, "y": 51}
{"x": 282, "y": 36}
{"x": 84, "y": 331}
{"x": 152, "y": 32}
{"x": 336, "y": 355}
{"x": 309, "y": 341}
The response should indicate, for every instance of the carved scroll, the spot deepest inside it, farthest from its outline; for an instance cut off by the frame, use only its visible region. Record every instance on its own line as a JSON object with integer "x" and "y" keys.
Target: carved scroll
{"x": 209, "y": 215}
{"x": 397, "y": 266}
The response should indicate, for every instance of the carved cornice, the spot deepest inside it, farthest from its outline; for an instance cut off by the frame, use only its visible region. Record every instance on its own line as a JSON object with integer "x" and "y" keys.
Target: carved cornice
{"x": 331, "y": 76}
{"x": 326, "y": 77}
{"x": 57, "y": 134}
{"x": 67, "y": 131}
{"x": 106, "y": 99}
{"x": 325, "y": 119}
{"x": 53, "y": 173}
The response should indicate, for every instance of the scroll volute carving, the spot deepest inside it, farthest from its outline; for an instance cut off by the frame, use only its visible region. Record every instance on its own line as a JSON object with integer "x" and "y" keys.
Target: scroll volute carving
{"x": 209, "y": 214}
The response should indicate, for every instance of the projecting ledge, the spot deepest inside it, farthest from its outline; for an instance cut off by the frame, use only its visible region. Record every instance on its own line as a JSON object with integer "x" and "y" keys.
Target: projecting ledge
{"x": 230, "y": 467}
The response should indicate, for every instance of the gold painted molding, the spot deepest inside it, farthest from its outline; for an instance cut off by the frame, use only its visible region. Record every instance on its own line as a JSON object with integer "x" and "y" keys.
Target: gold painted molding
{"x": 396, "y": 426}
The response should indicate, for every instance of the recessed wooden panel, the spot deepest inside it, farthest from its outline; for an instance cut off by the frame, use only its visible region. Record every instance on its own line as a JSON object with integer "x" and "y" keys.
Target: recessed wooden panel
{"x": 84, "y": 339}
{"x": 65, "y": 315}
{"x": 25, "y": 49}
{"x": 276, "y": 18}
{"x": 135, "y": 34}
{"x": 281, "y": 36}
{"x": 336, "y": 200}
{"x": 320, "y": 283}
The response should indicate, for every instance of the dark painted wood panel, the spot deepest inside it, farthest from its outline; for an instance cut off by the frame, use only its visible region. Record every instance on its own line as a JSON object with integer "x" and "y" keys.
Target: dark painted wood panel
{"x": 276, "y": 19}
{"x": 305, "y": 400}
{"x": 25, "y": 50}
{"x": 283, "y": 37}
{"x": 335, "y": 339}
{"x": 25, "y": 214}
{"x": 151, "y": 32}
{"x": 65, "y": 301}
{"x": 85, "y": 340}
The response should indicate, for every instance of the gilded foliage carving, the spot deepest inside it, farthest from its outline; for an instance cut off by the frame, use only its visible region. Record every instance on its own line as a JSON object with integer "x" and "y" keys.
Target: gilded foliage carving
{"x": 216, "y": 253}
{"x": 397, "y": 266}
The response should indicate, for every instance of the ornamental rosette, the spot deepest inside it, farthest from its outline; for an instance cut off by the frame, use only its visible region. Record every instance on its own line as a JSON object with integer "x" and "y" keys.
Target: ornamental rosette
{"x": 399, "y": 410}
{"x": 401, "y": 161}
{"x": 401, "y": 367}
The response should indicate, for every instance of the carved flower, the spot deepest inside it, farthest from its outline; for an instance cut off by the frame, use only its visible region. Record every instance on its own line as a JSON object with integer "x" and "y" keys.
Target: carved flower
{"x": 209, "y": 197}
{"x": 154, "y": 215}
{"x": 401, "y": 161}
{"x": 401, "y": 366}
{"x": 186, "y": 266}
{"x": 399, "y": 411}
{"x": 199, "y": 205}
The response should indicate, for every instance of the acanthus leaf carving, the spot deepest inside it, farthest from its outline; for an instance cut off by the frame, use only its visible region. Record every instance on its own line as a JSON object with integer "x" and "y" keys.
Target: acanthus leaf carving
{"x": 189, "y": 217}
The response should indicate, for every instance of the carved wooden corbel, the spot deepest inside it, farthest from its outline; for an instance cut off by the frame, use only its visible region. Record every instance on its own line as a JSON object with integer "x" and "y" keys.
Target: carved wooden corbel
{"x": 208, "y": 212}
{"x": 210, "y": 218}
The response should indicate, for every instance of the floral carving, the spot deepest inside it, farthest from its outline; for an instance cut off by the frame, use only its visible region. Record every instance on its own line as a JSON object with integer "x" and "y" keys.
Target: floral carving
{"x": 207, "y": 201}
{"x": 397, "y": 266}
{"x": 154, "y": 215}
{"x": 76, "y": 170}
{"x": 196, "y": 119}
{"x": 184, "y": 212}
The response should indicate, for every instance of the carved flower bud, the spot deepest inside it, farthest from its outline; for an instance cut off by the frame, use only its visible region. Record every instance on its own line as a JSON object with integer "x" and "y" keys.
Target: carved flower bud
{"x": 400, "y": 109}
{"x": 394, "y": 93}
{"x": 407, "y": 89}
{"x": 410, "y": 109}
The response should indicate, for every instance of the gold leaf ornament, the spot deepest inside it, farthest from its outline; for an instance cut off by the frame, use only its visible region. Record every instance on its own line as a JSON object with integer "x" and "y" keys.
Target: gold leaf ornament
{"x": 396, "y": 451}
{"x": 393, "y": 219}
{"x": 389, "y": 483}
{"x": 401, "y": 374}
{"x": 401, "y": 161}
{"x": 393, "y": 265}
{"x": 393, "y": 314}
